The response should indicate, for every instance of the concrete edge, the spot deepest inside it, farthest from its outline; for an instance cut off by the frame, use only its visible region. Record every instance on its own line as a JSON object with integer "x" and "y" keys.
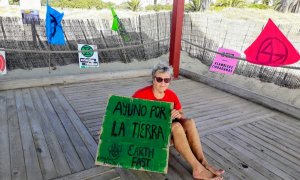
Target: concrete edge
{"x": 68, "y": 79}
{"x": 244, "y": 93}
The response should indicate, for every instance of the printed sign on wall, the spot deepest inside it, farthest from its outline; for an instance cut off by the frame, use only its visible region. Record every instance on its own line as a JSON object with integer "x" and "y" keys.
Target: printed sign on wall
{"x": 2, "y": 63}
{"x": 88, "y": 58}
{"x": 135, "y": 134}
{"x": 224, "y": 64}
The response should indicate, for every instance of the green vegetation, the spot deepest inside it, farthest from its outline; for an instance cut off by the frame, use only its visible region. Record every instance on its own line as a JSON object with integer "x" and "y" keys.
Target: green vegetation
{"x": 86, "y": 4}
{"x": 258, "y": 6}
{"x": 159, "y": 7}
{"x": 134, "y": 5}
{"x": 216, "y": 8}
{"x": 194, "y": 5}
{"x": 14, "y": 2}
{"x": 292, "y": 6}
{"x": 230, "y": 3}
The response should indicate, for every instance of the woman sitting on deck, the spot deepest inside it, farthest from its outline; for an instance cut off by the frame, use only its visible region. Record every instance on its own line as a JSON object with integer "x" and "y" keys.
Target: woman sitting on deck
{"x": 184, "y": 131}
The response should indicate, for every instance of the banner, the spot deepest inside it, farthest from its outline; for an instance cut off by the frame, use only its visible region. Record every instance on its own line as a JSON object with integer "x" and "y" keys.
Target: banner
{"x": 2, "y": 63}
{"x": 118, "y": 26}
{"x": 223, "y": 64}
{"x": 89, "y": 58}
{"x": 272, "y": 48}
{"x": 54, "y": 29}
{"x": 135, "y": 134}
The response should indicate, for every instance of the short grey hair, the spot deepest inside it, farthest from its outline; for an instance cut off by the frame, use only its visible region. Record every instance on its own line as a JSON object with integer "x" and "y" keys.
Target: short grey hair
{"x": 160, "y": 68}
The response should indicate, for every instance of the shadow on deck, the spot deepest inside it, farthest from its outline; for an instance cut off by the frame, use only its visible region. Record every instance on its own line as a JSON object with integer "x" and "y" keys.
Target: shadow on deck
{"x": 52, "y": 133}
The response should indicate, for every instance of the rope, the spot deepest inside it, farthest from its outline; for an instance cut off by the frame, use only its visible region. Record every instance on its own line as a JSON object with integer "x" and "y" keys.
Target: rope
{"x": 233, "y": 57}
{"x": 78, "y": 51}
{"x": 129, "y": 47}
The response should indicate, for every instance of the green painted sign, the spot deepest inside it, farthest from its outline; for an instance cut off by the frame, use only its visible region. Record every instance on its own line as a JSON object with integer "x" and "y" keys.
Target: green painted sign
{"x": 87, "y": 51}
{"x": 135, "y": 134}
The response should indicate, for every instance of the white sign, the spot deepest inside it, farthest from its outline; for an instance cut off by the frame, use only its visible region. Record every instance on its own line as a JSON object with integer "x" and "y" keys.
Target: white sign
{"x": 88, "y": 58}
{"x": 30, "y": 15}
{"x": 2, "y": 63}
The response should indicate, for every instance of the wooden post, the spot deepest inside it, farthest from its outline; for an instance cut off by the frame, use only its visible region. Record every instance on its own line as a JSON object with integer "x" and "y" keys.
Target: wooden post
{"x": 49, "y": 62}
{"x": 176, "y": 32}
{"x": 33, "y": 32}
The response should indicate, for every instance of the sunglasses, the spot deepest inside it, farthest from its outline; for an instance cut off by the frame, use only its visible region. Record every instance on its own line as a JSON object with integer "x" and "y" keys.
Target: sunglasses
{"x": 159, "y": 79}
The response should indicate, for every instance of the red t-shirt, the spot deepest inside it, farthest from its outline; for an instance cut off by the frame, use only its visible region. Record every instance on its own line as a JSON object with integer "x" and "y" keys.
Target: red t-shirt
{"x": 147, "y": 93}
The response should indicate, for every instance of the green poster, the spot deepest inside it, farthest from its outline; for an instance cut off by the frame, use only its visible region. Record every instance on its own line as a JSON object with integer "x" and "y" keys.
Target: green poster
{"x": 135, "y": 134}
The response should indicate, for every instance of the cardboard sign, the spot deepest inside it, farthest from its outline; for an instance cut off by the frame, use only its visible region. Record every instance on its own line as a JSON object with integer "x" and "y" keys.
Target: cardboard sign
{"x": 224, "y": 64}
{"x": 88, "y": 58}
{"x": 135, "y": 134}
{"x": 2, "y": 63}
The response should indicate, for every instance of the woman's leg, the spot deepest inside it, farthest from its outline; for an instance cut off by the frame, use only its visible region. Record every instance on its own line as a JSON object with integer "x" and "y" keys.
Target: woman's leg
{"x": 182, "y": 146}
{"x": 195, "y": 144}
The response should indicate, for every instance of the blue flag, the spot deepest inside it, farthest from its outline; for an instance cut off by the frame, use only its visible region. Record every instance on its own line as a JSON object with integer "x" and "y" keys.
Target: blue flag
{"x": 54, "y": 30}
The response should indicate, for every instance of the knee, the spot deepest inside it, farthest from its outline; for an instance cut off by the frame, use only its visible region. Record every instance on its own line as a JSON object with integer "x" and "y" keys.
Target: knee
{"x": 177, "y": 128}
{"x": 189, "y": 123}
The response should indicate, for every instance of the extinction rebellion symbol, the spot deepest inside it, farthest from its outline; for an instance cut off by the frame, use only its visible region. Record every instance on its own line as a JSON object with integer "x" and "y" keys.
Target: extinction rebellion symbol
{"x": 88, "y": 51}
{"x": 268, "y": 53}
{"x": 2, "y": 63}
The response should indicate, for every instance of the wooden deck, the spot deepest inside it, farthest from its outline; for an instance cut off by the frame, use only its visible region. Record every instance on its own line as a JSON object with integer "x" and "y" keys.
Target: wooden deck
{"x": 52, "y": 133}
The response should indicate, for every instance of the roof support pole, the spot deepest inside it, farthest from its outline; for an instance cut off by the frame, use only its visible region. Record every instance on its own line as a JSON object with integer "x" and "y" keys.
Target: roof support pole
{"x": 176, "y": 32}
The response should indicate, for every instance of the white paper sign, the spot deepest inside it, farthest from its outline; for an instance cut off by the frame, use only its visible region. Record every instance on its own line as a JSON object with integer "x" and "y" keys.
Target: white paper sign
{"x": 89, "y": 58}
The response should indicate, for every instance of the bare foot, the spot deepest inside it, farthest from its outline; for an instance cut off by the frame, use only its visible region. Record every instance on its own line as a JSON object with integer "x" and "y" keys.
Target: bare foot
{"x": 217, "y": 172}
{"x": 205, "y": 175}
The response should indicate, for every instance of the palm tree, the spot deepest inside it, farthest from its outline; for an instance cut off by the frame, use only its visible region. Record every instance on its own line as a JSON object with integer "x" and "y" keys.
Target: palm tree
{"x": 134, "y": 5}
{"x": 281, "y": 5}
{"x": 266, "y": 2}
{"x": 14, "y": 1}
{"x": 194, "y": 5}
{"x": 294, "y": 6}
{"x": 205, "y": 4}
{"x": 155, "y": 5}
{"x": 230, "y": 3}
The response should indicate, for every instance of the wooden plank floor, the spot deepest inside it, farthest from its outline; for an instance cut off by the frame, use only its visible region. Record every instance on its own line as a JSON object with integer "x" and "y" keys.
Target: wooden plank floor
{"x": 248, "y": 140}
{"x": 41, "y": 137}
{"x": 52, "y": 133}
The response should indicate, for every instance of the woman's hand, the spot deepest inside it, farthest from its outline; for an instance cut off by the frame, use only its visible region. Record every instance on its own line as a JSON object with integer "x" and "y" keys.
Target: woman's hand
{"x": 176, "y": 114}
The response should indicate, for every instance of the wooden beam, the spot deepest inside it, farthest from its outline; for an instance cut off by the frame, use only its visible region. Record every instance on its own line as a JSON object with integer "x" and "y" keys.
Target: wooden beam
{"x": 176, "y": 32}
